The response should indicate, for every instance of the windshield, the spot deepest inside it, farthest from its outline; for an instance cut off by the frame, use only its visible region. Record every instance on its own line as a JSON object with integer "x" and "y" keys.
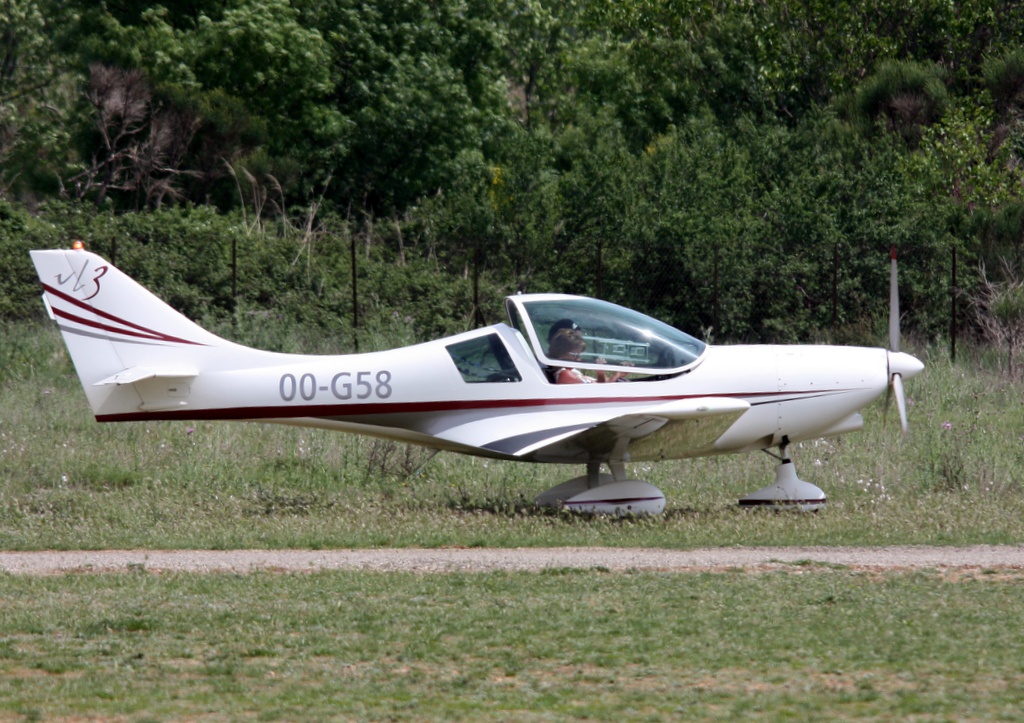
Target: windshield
{"x": 615, "y": 336}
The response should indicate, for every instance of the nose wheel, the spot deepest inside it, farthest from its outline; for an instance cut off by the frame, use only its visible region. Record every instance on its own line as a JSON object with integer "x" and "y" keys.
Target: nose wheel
{"x": 788, "y": 491}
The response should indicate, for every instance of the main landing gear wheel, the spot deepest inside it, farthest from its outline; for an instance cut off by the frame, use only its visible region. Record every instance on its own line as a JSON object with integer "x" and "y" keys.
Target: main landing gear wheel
{"x": 787, "y": 492}
{"x": 605, "y": 494}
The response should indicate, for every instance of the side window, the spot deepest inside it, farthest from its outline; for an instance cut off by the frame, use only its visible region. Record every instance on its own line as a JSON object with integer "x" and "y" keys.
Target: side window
{"x": 484, "y": 359}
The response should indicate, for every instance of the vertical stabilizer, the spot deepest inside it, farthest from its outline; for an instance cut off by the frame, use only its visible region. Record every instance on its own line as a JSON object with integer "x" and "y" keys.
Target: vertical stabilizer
{"x": 116, "y": 331}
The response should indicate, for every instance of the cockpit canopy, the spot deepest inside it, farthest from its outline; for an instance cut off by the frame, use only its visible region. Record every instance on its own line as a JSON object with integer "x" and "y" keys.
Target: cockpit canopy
{"x": 616, "y": 337}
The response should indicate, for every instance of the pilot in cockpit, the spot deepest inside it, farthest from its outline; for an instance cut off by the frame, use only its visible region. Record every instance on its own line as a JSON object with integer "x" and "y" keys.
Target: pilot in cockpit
{"x": 567, "y": 344}
{"x": 558, "y": 326}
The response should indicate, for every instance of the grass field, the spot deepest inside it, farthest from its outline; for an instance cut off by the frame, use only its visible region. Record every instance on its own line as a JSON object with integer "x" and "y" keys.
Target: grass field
{"x": 807, "y": 643}
{"x": 826, "y": 644}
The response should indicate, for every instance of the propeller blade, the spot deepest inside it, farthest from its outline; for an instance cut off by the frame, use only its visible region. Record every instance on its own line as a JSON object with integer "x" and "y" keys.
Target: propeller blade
{"x": 894, "y": 304}
{"x": 901, "y": 400}
{"x": 900, "y": 364}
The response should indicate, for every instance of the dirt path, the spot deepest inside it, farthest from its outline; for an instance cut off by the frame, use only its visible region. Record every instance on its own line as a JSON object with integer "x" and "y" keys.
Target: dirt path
{"x": 484, "y": 559}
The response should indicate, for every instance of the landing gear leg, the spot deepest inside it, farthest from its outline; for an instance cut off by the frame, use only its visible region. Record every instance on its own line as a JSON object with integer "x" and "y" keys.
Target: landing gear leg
{"x": 787, "y": 491}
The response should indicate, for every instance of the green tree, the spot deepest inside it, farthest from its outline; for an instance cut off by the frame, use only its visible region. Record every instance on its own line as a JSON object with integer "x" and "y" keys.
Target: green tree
{"x": 34, "y": 96}
{"x": 597, "y": 187}
{"x": 538, "y": 36}
{"x": 250, "y": 73}
{"x": 417, "y": 86}
{"x": 527, "y": 206}
{"x": 901, "y": 97}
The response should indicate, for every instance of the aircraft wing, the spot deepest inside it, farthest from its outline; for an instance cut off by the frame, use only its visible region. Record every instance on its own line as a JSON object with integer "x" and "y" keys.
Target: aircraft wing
{"x": 662, "y": 430}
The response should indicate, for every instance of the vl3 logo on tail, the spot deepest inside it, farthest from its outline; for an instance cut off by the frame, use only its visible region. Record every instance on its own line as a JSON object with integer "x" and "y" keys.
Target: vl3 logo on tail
{"x": 84, "y": 284}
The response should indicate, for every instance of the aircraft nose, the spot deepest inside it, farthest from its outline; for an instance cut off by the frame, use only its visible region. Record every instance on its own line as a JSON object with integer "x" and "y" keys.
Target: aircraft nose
{"x": 904, "y": 364}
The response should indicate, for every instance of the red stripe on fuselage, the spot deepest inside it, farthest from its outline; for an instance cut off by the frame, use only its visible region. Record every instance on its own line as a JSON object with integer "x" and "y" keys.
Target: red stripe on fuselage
{"x": 341, "y": 411}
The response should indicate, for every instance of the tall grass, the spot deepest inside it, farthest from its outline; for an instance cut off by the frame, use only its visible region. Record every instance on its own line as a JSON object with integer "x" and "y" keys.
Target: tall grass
{"x": 68, "y": 482}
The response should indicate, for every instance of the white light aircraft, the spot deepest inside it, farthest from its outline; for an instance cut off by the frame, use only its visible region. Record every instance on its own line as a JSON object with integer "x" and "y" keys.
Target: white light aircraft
{"x": 489, "y": 392}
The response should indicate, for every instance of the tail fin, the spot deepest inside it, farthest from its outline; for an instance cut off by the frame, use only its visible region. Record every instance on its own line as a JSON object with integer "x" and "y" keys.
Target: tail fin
{"x": 130, "y": 349}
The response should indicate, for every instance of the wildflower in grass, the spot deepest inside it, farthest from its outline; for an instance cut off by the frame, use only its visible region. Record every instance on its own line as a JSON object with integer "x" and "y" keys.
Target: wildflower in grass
{"x": 875, "y": 489}
{"x": 947, "y": 426}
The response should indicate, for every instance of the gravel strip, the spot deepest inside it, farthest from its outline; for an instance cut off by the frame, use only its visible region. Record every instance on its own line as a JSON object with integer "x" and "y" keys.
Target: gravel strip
{"x": 512, "y": 559}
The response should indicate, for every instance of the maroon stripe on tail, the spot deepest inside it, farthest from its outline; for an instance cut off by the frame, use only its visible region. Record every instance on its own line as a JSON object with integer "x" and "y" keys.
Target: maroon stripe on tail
{"x": 136, "y": 330}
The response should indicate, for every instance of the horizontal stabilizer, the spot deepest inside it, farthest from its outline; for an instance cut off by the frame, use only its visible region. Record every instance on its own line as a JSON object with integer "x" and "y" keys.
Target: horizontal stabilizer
{"x": 138, "y": 374}
{"x": 149, "y": 389}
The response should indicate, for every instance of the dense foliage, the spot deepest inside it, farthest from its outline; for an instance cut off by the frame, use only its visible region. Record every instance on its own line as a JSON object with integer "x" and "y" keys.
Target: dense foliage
{"x": 739, "y": 168}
